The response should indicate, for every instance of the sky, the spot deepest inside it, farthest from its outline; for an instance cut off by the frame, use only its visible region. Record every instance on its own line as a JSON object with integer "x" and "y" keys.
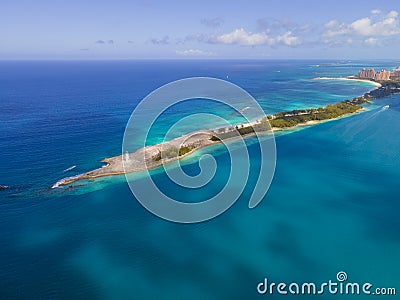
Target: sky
{"x": 217, "y": 29}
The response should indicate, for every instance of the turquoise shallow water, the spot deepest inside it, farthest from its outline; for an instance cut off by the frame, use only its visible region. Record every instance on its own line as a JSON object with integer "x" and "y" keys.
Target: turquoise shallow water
{"x": 333, "y": 204}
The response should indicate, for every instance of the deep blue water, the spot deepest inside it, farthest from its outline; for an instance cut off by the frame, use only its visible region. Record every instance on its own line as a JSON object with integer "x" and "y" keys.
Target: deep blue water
{"x": 333, "y": 204}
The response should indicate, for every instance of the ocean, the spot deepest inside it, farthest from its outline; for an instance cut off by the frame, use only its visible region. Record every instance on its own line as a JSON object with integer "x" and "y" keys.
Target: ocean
{"x": 332, "y": 206}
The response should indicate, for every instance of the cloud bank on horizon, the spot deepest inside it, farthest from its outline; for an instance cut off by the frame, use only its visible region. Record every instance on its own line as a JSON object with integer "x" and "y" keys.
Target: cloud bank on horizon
{"x": 373, "y": 30}
{"x": 152, "y": 29}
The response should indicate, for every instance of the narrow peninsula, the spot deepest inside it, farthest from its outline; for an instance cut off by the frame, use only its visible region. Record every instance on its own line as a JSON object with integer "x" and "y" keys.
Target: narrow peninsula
{"x": 150, "y": 157}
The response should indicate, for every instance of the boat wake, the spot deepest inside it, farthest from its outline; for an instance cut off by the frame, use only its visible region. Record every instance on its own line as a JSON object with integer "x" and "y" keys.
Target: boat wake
{"x": 62, "y": 181}
{"x": 386, "y": 107}
{"x": 69, "y": 169}
{"x": 358, "y": 127}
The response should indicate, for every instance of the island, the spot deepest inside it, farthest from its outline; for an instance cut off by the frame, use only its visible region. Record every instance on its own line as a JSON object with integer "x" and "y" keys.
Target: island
{"x": 153, "y": 156}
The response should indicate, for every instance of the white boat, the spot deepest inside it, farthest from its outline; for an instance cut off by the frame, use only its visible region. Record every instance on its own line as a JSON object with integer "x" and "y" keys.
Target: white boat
{"x": 385, "y": 107}
{"x": 69, "y": 169}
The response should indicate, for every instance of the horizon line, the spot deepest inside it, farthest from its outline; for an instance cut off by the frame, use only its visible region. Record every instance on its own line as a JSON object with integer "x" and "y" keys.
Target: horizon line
{"x": 197, "y": 59}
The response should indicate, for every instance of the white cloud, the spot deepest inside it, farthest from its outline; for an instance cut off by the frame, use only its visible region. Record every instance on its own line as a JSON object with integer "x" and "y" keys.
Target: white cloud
{"x": 393, "y": 14}
{"x": 334, "y": 28}
{"x": 288, "y": 39}
{"x": 375, "y": 11}
{"x": 371, "y": 41}
{"x": 386, "y": 25}
{"x": 193, "y": 52}
{"x": 243, "y": 38}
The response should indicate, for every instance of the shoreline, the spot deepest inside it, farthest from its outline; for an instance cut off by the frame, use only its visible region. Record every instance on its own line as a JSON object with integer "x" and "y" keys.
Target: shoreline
{"x": 350, "y": 78}
{"x": 316, "y": 122}
{"x": 109, "y": 161}
{"x": 96, "y": 173}
{"x": 142, "y": 156}
{"x": 154, "y": 156}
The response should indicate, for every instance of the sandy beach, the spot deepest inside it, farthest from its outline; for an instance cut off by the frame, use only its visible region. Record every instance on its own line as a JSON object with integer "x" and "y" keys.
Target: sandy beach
{"x": 143, "y": 159}
{"x": 151, "y": 157}
{"x": 377, "y": 84}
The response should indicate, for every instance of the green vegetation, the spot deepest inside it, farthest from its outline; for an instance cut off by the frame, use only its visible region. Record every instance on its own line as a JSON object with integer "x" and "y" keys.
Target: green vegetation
{"x": 215, "y": 139}
{"x": 168, "y": 152}
{"x": 293, "y": 118}
{"x": 226, "y": 135}
{"x": 172, "y": 152}
{"x": 240, "y": 131}
{"x": 185, "y": 149}
{"x": 157, "y": 157}
{"x": 388, "y": 88}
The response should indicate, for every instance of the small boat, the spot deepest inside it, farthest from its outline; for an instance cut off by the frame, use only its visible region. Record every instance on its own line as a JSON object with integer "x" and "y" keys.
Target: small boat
{"x": 3, "y": 187}
{"x": 69, "y": 169}
{"x": 385, "y": 107}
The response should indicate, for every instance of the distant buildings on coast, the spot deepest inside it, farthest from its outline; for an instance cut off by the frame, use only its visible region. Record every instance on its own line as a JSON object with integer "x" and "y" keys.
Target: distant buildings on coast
{"x": 396, "y": 73}
{"x": 380, "y": 75}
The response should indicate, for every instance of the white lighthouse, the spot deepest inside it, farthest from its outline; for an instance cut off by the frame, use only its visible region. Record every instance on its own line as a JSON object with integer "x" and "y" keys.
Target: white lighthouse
{"x": 126, "y": 156}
